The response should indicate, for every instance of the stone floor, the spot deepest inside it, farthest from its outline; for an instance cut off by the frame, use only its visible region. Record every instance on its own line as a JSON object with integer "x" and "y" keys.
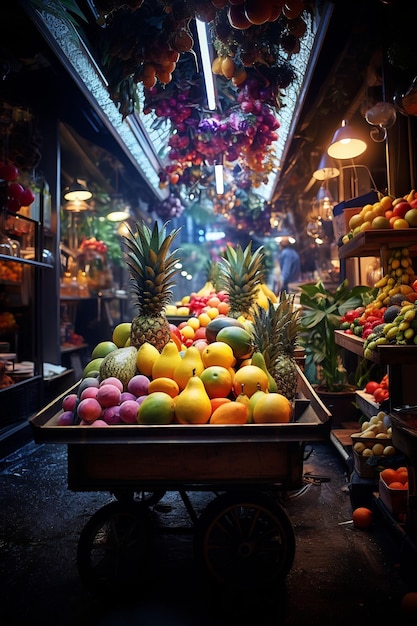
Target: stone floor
{"x": 340, "y": 575}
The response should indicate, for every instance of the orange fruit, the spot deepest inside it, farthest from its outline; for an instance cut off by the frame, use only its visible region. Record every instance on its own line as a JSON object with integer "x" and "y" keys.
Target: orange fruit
{"x": 362, "y": 517}
{"x": 249, "y": 379}
{"x": 230, "y": 413}
{"x": 396, "y": 485}
{"x": 217, "y": 381}
{"x": 388, "y": 475}
{"x": 223, "y": 308}
{"x": 402, "y": 474}
{"x": 216, "y": 402}
{"x": 272, "y": 408}
{"x": 165, "y": 384}
{"x": 213, "y": 301}
{"x": 218, "y": 353}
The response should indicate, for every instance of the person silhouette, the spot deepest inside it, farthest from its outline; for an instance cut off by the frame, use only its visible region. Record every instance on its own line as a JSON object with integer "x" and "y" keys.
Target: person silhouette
{"x": 290, "y": 265}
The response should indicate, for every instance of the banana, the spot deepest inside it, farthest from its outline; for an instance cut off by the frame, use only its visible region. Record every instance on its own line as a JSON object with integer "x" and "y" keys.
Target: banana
{"x": 269, "y": 293}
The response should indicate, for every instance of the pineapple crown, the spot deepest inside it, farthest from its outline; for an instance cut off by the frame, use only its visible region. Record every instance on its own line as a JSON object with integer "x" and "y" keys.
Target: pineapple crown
{"x": 151, "y": 265}
{"x": 240, "y": 273}
{"x": 275, "y": 329}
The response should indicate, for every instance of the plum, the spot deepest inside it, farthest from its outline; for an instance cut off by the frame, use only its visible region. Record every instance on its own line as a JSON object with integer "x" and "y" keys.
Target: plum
{"x": 108, "y": 395}
{"x": 111, "y": 415}
{"x": 66, "y": 419}
{"x": 129, "y": 411}
{"x": 69, "y": 402}
{"x": 138, "y": 385}
{"x": 89, "y": 392}
{"x": 89, "y": 410}
{"x": 112, "y": 380}
{"x": 126, "y": 395}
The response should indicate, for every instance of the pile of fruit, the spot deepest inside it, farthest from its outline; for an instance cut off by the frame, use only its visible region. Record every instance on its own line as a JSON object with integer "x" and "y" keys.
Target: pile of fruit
{"x": 386, "y": 213}
{"x": 374, "y": 439}
{"x": 379, "y": 390}
{"x": 221, "y": 381}
{"x": 391, "y": 318}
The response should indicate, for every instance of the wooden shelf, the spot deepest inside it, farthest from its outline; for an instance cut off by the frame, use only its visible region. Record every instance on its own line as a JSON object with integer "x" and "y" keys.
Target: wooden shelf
{"x": 371, "y": 242}
{"x": 389, "y": 354}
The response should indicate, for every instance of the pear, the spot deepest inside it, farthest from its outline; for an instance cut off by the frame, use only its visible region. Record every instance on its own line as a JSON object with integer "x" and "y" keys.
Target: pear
{"x": 121, "y": 364}
{"x": 254, "y": 399}
{"x": 192, "y": 405}
{"x": 244, "y": 399}
{"x": 259, "y": 360}
{"x": 165, "y": 364}
{"x": 190, "y": 365}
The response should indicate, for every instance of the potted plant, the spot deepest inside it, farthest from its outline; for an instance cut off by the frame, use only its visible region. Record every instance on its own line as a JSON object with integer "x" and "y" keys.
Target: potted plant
{"x": 325, "y": 367}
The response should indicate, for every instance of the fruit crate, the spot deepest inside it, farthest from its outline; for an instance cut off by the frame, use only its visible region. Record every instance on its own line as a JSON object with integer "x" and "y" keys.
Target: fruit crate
{"x": 395, "y": 500}
{"x": 203, "y": 454}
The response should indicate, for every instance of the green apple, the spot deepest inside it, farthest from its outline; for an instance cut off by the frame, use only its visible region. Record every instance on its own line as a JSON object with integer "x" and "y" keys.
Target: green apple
{"x": 411, "y": 217}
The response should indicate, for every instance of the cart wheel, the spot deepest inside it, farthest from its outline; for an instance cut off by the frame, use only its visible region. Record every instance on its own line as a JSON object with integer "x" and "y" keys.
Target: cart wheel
{"x": 244, "y": 540}
{"x": 113, "y": 546}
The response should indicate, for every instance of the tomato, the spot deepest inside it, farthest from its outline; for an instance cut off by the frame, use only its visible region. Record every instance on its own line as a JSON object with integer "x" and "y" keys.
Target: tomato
{"x": 380, "y": 394}
{"x": 371, "y": 386}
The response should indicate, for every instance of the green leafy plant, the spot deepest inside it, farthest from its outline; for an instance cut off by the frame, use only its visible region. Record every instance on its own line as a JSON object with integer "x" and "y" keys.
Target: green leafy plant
{"x": 322, "y": 310}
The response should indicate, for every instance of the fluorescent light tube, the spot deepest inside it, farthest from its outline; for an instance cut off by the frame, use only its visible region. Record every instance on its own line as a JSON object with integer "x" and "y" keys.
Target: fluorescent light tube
{"x": 206, "y": 61}
{"x": 218, "y": 175}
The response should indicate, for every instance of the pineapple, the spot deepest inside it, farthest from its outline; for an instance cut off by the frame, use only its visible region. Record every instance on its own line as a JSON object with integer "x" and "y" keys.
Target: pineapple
{"x": 240, "y": 274}
{"x": 151, "y": 269}
{"x": 275, "y": 335}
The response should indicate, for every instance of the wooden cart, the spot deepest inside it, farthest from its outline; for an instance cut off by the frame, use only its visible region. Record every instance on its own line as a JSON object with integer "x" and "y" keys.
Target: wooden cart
{"x": 248, "y": 468}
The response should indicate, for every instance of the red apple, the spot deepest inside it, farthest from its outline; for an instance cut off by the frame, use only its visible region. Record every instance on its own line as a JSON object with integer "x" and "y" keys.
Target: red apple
{"x": 401, "y": 209}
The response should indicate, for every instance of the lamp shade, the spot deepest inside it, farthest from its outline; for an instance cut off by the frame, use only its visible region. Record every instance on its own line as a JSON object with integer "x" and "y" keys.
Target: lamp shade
{"x": 326, "y": 169}
{"x": 118, "y": 216}
{"x": 346, "y": 143}
{"x": 77, "y": 191}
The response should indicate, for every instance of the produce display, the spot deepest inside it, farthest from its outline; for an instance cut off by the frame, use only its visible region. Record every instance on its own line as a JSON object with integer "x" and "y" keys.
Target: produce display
{"x": 386, "y": 213}
{"x": 374, "y": 439}
{"x": 391, "y": 316}
{"x": 211, "y": 369}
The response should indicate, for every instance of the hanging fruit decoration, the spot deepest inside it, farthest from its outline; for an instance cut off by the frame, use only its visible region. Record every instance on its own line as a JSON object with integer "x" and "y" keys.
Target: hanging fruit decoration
{"x": 152, "y": 43}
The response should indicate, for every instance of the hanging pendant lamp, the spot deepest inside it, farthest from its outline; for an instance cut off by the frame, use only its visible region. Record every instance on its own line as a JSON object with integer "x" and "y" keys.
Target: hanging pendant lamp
{"x": 346, "y": 143}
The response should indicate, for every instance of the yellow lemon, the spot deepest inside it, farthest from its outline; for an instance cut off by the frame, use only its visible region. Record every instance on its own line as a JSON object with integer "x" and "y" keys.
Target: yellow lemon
{"x": 146, "y": 357}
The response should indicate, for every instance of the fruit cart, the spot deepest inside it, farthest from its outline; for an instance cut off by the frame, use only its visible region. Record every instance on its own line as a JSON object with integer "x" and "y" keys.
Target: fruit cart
{"x": 248, "y": 468}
